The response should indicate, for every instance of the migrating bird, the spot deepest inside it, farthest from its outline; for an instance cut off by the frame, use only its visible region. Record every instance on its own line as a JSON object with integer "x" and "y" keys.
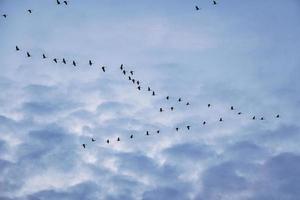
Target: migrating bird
{"x": 157, "y": 131}
{"x": 58, "y": 2}
{"x": 215, "y": 3}
{"x": 139, "y": 87}
{"x": 90, "y": 63}
{"x": 65, "y": 2}
{"x": 103, "y": 68}
{"x": 93, "y": 140}
{"x": 147, "y": 133}
{"x": 160, "y": 110}
{"x": 172, "y": 108}
{"x": 17, "y": 48}
{"x": 121, "y": 67}
{"x": 153, "y": 93}
{"x": 187, "y": 103}
{"x": 44, "y": 56}
{"x": 239, "y": 113}
{"x": 177, "y": 128}
{"x": 28, "y": 54}
{"x": 149, "y": 89}
{"x": 84, "y": 145}
{"x": 138, "y": 82}
{"x": 167, "y": 97}
{"x": 124, "y": 72}
{"x": 253, "y": 117}
{"x": 204, "y": 122}
{"x": 30, "y": 11}
{"x": 129, "y": 78}
{"x": 131, "y": 136}
{"x": 231, "y": 108}
{"x": 64, "y": 61}
{"x": 4, "y": 15}
{"x": 133, "y": 81}
{"x": 118, "y": 139}
{"x": 197, "y": 8}
{"x": 179, "y": 99}
{"x": 277, "y": 116}
{"x": 107, "y": 141}
{"x": 55, "y": 60}
{"x": 131, "y": 72}
{"x": 188, "y": 127}
{"x": 208, "y": 105}
{"x": 261, "y": 118}
{"x": 74, "y": 63}
{"x": 221, "y": 119}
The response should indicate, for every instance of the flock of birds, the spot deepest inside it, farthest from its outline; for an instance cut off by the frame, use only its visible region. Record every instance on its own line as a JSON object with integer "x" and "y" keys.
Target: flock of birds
{"x": 129, "y": 74}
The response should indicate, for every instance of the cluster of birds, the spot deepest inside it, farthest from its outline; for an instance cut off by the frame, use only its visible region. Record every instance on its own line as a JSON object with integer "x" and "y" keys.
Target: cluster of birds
{"x": 198, "y": 8}
{"x": 30, "y": 10}
{"x": 131, "y": 78}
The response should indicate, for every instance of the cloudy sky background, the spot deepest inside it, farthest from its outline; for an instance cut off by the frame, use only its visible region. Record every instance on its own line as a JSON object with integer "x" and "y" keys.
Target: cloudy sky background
{"x": 240, "y": 53}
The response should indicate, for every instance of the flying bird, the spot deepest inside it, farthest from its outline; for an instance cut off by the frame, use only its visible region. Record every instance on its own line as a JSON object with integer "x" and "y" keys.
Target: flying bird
{"x": 231, "y": 108}
{"x": 157, "y": 131}
{"x": 139, "y": 87}
{"x": 221, "y": 119}
{"x": 107, "y": 141}
{"x": 17, "y": 48}
{"x": 4, "y": 15}
{"x": 30, "y": 11}
{"x": 147, "y": 133}
{"x": 58, "y": 2}
{"x": 197, "y": 8}
{"x": 93, "y": 140}
{"x": 208, "y": 105}
{"x": 131, "y": 136}
{"x": 277, "y": 116}
{"x": 187, "y": 103}
{"x": 253, "y": 117}
{"x": 215, "y": 3}
{"x": 179, "y": 99}
{"x": 90, "y": 63}
{"x": 261, "y": 118}
{"x": 177, "y": 128}
{"x": 55, "y": 60}
{"x": 103, "y": 68}
{"x": 160, "y": 110}
{"x": 204, "y": 122}
{"x": 64, "y": 61}
{"x": 167, "y": 97}
{"x": 138, "y": 82}
{"x": 84, "y": 145}
{"x": 129, "y": 78}
{"x": 153, "y": 93}
{"x": 65, "y": 2}
{"x": 44, "y": 56}
{"x": 149, "y": 89}
{"x": 239, "y": 113}
{"x": 188, "y": 127}
{"x": 172, "y": 108}
{"x": 74, "y": 63}
{"x": 121, "y": 67}
{"x": 133, "y": 81}
{"x": 131, "y": 72}
{"x": 28, "y": 54}
{"x": 118, "y": 139}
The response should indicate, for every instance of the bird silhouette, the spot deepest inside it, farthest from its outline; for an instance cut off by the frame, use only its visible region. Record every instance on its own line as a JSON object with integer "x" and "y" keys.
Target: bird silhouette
{"x": 197, "y": 8}
{"x": 124, "y": 72}
{"x": 153, "y": 93}
{"x": 187, "y": 103}
{"x": 261, "y": 118}
{"x": 139, "y": 87}
{"x": 93, "y": 140}
{"x": 147, "y": 132}
{"x": 29, "y": 11}
{"x": 44, "y": 56}
{"x": 221, "y": 119}
{"x": 179, "y": 100}
{"x": 28, "y": 54}
{"x": 215, "y": 3}
{"x": 167, "y": 97}
{"x": 188, "y": 127}
{"x": 239, "y": 113}
{"x": 17, "y": 48}
{"x": 277, "y": 116}
{"x": 90, "y": 63}
{"x": 204, "y": 122}
{"x": 231, "y": 108}
{"x": 4, "y": 15}
{"x": 84, "y": 145}
{"x": 121, "y": 67}
{"x": 65, "y": 2}
{"x": 129, "y": 78}
{"x": 131, "y": 72}
{"x": 253, "y": 117}
{"x": 149, "y": 89}
{"x": 55, "y": 60}
{"x": 58, "y": 2}
{"x": 107, "y": 141}
{"x": 118, "y": 139}
{"x": 172, "y": 108}
{"x": 177, "y": 128}
{"x": 160, "y": 110}
{"x": 133, "y": 80}
{"x": 103, "y": 68}
{"x": 74, "y": 63}
{"x": 131, "y": 136}
{"x": 157, "y": 131}
{"x": 138, "y": 82}
{"x": 208, "y": 105}
{"x": 64, "y": 61}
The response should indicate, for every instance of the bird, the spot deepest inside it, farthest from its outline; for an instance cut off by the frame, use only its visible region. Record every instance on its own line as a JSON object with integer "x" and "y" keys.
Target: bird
{"x": 44, "y": 56}
{"x": 65, "y": 2}
{"x": 231, "y": 108}
{"x": 129, "y": 78}
{"x": 179, "y": 99}
{"x": 58, "y": 2}
{"x": 64, "y": 61}
{"x": 90, "y": 63}
{"x": 103, "y": 68}
{"x": 121, "y": 67}
{"x": 107, "y": 141}
{"x": 84, "y": 145}
{"x": 277, "y": 116}
{"x": 157, "y": 131}
{"x": 124, "y": 72}
{"x": 221, "y": 119}
{"x": 93, "y": 140}
{"x": 204, "y": 122}
{"x": 149, "y": 89}
{"x": 215, "y": 3}
{"x": 131, "y": 136}
{"x": 118, "y": 139}
{"x": 239, "y": 113}
{"x": 28, "y": 54}
{"x": 261, "y": 118}
{"x": 197, "y": 8}
{"x": 160, "y": 110}
{"x": 30, "y": 11}
{"x": 187, "y": 103}
{"x": 208, "y": 105}
{"x": 131, "y": 72}
{"x": 133, "y": 81}
{"x": 177, "y": 128}
{"x": 138, "y": 82}
{"x": 167, "y": 97}
{"x": 17, "y": 48}
{"x": 172, "y": 108}
{"x": 147, "y": 132}
{"x": 55, "y": 60}
{"x": 153, "y": 93}
{"x": 188, "y": 127}
{"x": 253, "y": 117}
{"x": 4, "y": 15}
{"x": 139, "y": 87}
{"x": 74, "y": 63}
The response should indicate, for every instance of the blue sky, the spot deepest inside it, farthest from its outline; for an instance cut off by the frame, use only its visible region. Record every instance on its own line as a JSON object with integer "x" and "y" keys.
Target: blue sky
{"x": 240, "y": 53}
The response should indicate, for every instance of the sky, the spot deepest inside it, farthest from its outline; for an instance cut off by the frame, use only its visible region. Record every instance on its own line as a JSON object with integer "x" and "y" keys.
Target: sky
{"x": 238, "y": 53}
